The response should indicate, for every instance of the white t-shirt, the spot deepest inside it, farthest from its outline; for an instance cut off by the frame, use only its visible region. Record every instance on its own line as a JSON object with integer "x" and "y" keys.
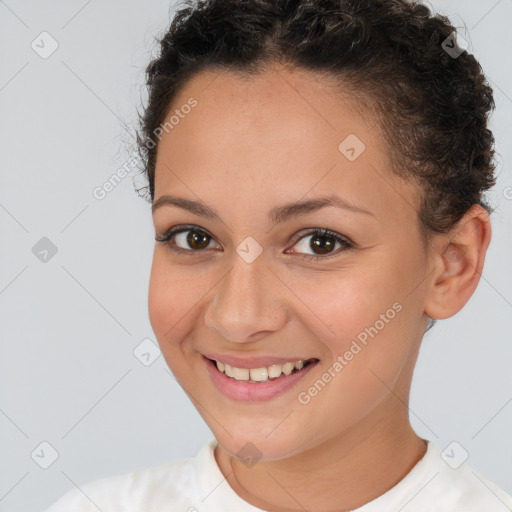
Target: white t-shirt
{"x": 196, "y": 484}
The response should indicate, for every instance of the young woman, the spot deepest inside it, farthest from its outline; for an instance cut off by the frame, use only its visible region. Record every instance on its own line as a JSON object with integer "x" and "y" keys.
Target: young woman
{"x": 316, "y": 171}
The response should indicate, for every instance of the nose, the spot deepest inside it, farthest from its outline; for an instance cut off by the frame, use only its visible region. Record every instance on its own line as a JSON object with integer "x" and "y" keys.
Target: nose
{"x": 248, "y": 303}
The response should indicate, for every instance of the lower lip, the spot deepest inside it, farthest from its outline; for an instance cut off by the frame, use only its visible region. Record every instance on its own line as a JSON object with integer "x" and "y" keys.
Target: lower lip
{"x": 257, "y": 391}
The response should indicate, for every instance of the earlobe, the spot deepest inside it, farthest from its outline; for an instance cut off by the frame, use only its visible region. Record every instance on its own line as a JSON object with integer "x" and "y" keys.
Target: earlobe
{"x": 458, "y": 263}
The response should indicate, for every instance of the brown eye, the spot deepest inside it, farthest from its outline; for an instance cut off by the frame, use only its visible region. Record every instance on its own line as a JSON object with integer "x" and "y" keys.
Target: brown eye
{"x": 197, "y": 239}
{"x": 322, "y": 242}
{"x": 186, "y": 239}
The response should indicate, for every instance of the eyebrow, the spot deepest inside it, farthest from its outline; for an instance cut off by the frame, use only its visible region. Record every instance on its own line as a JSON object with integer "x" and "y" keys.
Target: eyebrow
{"x": 276, "y": 215}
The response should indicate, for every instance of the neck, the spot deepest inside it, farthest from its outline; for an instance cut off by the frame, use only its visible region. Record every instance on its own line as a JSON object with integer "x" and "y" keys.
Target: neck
{"x": 342, "y": 473}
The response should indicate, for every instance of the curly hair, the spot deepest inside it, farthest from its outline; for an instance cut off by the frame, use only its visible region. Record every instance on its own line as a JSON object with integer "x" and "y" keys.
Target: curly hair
{"x": 432, "y": 107}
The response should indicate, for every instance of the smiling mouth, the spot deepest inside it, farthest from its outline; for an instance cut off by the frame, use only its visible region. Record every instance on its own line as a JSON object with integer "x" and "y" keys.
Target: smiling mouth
{"x": 264, "y": 373}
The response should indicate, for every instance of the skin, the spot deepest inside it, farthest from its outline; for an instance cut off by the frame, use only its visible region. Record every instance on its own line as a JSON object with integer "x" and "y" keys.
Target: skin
{"x": 251, "y": 145}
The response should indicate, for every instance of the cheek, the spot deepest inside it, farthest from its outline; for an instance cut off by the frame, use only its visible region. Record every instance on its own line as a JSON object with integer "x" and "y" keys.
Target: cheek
{"x": 341, "y": 304}
{"x": 374, "y": 318}
{"x": 364, "y": 316}
{"x": 169, "y": 300}
{"x": 160, "y": 303}
{"x": 170, "y": 308}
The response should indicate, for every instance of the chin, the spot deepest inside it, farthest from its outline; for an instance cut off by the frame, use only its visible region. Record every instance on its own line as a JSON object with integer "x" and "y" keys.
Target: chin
{"x": 255, "y": 444}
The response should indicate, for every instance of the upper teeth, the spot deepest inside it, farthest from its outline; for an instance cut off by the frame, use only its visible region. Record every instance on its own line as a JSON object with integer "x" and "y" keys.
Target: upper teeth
{"x": 259, "y": 374}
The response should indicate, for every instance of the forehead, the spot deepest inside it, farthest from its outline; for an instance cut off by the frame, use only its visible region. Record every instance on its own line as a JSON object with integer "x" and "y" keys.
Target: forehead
{"x": 277, "y": 101}
{"x": 280, "y": 132}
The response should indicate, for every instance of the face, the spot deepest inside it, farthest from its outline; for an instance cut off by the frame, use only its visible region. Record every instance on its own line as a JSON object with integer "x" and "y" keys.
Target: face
{"x": 246, "y": 288}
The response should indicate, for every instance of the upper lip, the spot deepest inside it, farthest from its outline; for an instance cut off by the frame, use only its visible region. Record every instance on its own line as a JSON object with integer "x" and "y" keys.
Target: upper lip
{"x": 254, "y": 362}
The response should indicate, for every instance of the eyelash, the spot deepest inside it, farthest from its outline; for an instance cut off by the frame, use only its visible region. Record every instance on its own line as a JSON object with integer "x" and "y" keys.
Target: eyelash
{"x": 167, "y": 236}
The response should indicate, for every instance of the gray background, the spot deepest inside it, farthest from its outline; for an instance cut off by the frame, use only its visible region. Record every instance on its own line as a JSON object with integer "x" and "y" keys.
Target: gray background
{"x": 69, "y": 325}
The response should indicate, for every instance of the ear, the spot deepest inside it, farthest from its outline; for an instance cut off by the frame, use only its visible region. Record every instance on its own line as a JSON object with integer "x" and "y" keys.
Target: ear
{"x": 458, "y": 259}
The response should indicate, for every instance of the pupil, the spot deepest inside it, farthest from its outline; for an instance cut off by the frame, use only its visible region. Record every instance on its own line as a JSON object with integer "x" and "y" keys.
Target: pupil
{"x": 195, "y": 236}
{"x": 324, "y": 247}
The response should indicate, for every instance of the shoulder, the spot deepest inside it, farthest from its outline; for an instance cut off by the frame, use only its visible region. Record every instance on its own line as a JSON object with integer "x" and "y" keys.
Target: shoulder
{"x": 149, "y": 489}
{"x": 448, "y": 485}
{"x": 469, "y": 491}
